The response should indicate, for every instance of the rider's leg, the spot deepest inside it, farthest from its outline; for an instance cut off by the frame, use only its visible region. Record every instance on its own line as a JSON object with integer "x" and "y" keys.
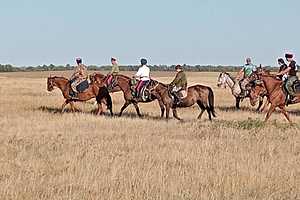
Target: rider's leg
{"x": 244, "y": 84}
{"x": 289, "y": 85}
{"x": 73, "y": 92}
{"x": 138, "y": 88}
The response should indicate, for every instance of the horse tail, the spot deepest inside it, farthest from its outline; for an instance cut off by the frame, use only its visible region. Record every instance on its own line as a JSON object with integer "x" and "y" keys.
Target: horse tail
{"x": 211, "y": 100}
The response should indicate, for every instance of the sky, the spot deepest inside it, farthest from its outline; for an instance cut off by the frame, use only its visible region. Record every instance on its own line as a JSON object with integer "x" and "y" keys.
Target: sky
{"x": 216, "y": 32}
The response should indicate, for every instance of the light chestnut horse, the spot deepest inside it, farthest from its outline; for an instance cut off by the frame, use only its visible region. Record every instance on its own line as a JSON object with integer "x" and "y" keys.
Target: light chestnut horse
{"x": 275, "y": 93}
{"x": 93, "y": 91}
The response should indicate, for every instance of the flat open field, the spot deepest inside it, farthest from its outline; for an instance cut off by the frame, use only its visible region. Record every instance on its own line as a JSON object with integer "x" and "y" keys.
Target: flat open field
{"x": 48, "y": 155}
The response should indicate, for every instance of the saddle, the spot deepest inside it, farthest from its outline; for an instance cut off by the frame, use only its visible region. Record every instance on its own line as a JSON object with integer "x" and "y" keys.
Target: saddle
{"x": 144, "y": 93}
{"x": 296, "y": 86}
{"x": 181, "y": 94}
{"x": 82, "y": 86}
{"x": 111, "y": 82}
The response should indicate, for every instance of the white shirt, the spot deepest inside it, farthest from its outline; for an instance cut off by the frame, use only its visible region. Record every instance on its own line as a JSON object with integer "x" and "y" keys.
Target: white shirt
{"x": 143, "y": 73}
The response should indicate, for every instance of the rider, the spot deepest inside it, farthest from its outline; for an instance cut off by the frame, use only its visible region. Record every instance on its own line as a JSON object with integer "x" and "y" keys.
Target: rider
{"x": 178, "y": 84}
{"x": 143, "y": 74}
{"x": 244, "y": 75}
{"x": 291, "y": 71}
{"x": 282, "y": 67}
{"x": 114, "y": 71}
{"x": 80, "y": 74}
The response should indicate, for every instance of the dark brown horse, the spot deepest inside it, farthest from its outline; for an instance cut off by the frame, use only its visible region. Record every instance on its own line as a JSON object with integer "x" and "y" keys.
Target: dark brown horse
{"x": 94, "y": 91}
{"x": 124, "y": 83}
{"x": 275, "y": 93}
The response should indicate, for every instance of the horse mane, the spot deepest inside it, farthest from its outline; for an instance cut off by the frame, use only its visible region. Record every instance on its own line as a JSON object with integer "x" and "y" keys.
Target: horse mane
{"x": 61, "y": 77}
{"x": 123, "y": 76}
{"x": 226, "y": 73}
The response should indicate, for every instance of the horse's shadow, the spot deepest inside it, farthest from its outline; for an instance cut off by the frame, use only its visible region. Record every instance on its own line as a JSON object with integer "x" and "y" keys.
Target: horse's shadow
{"x": 249, "y": 109}
{"x": 294, "y": 112}
{"x": 132, "y": 115}
{"x": 234, "y": 109}
{"x": 55, "y": 110}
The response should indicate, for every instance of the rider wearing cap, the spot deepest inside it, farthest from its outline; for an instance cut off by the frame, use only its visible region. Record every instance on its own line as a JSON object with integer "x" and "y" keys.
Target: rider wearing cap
{"x": 291, "y": 71}
{"x": 80, "y": 74}
{"x": 244, "y": 75}
{"x": 178, "y": 84}
{"x": 143, "y": 74}
{"x": 114, "y": 71}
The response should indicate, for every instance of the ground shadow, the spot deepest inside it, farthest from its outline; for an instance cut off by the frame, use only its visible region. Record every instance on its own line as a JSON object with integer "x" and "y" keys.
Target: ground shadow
{"x": 250, "y": 109}
{"x": 133, "y": 115}
{"x": 234, "y": 109}
{"x": 294, "y": 112}
{"x": 55, "y": 110}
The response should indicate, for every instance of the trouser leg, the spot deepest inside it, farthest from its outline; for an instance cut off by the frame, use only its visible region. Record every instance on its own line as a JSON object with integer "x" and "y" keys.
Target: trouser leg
{"x": 289, "y": 85}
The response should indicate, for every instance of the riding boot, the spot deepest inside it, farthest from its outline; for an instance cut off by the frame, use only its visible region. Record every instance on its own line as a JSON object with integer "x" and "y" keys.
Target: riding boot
{"x": 73, "y": 94}
{"x": 177, "y": 99}
{"x": 289, "y": 99}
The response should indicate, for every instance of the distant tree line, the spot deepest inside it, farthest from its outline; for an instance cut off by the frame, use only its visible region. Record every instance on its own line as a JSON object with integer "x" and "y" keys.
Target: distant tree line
{"x": 194, "y": 68}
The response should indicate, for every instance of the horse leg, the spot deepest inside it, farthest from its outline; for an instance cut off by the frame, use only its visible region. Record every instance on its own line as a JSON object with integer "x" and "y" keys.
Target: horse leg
{"x": 265, "y": 106}
{"x": 64, "y": 105}
{"x": 100, "y": 109}
{"x": 261, "y": 101}
{"x": 237, "y": 102}
{"x": 201, "y": 106}
{"x": 167, "y": 111}
{"x": 162, "y": 108}
{"x": 270, "y": 111}
{"x": 124, "y": 107}
{"x": 137, "y": 109}
{"x": 175, "y": 114}
{"x": 73, "y": 107}
{"x": 285, "y": 113}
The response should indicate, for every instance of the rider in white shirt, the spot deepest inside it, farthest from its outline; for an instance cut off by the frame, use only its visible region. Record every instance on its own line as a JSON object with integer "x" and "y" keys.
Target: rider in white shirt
{"x": 143, "y": 74}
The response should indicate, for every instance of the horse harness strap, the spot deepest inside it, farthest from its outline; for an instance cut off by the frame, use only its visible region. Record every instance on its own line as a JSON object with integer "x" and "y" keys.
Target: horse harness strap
{"x": 154, "y": 87}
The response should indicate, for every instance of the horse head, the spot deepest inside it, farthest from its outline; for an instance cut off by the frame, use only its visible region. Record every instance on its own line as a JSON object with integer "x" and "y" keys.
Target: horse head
{"x": 97, "y": 78}
{"x": 50, "y": 83}
{"x": 222, "y": 79}
{"x": 257, "y": 91}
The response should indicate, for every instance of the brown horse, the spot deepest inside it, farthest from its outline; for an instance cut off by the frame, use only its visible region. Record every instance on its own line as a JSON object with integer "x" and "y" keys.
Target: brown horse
{"x": 200, "y": 94}
{"x": 94, "y": 91}
{"x": 256, "y": 92}
{"x": 124, "y": 83}
{"x": 101, "y": 79}
{"x": 275, "y": 93}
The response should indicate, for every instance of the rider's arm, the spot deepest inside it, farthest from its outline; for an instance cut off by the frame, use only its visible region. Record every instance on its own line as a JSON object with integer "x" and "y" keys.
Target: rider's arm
{"x": 176, "y": 79}
{"x": 138, "y": 73}
{"x": 113, "y": 69}
{"x": 284, "y": 71}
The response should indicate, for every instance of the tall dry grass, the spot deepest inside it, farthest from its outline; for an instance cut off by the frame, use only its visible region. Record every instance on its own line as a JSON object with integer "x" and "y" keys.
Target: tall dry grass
{"x": 48, "y": 155}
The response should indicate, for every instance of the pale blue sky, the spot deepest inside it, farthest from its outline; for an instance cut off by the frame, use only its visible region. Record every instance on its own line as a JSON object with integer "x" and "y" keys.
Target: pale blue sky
{"x": 214, "y": 32}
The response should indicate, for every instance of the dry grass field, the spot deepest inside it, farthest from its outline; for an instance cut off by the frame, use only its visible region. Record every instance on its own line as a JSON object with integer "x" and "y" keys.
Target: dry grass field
{"x": 48, "y": 155}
